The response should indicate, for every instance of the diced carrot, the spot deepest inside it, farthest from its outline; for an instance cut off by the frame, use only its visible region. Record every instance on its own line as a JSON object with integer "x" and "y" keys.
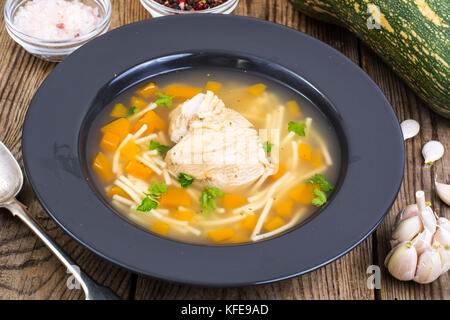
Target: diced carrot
{"x": 303, "y": 193}
{"x": 181, "y": 92}
{"x": 249, "y": 222}
{"x": 160, "y": 228}
{"x": 152, "y": 120}
{"x": 130, "y": 150}
{"x": 284, "y": 208}
{"x": 220, "y": 235}
{"x": 293, "y": 108}
{"x": 213, "y": 86}
{"x": 138, "y": 169}
{"x": 317, "y": 158}
{"x": 115, "y": 190}
{"x": 183, "y": 215}
{"x": 232, "y": 201}
{"x": 110, "y": 141}
{"x": 148, "y": 90}
{"x": 120, "y": 127}
{"x": 119, "y": 111}
{"x": 281, "y": 171}
{"x": 257, "y": 89}
{"x": 175, "y": 197}
{"x": 102, "y": 166}
{"x": 138, "y": 103}
{"x": 304, "y": 151}
{"x": 274, "y": 223}
{"x": 239, "y": 238}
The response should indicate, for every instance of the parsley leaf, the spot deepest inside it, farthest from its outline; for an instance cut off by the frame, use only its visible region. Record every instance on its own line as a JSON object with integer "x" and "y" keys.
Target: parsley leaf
{"x": 156, "y": 189}
{"x": 150, "y": 202}
{"x": 267, "y": 146}
{"x": 185, "y": 180}
{"x": 132, "y": 111}
{"x": 321, "y": 181}
{"x": 207, "y": 201}
{"x": 162, "y": 149}
{"x": 298, "y": 128}
{"x": 321, "y": 198}
{"x": 147, "y": 205}
{"x": 164, "y": 100}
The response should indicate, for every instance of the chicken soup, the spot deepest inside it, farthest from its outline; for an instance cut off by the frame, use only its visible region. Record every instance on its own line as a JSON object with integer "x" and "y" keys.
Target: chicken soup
{"x": 214, "y": 156}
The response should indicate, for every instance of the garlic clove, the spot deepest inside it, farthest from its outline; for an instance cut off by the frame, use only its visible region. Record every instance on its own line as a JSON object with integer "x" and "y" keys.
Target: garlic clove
{"x": 444, "y": 253}
{"x": 402, "y": 261}
{"x": 443, "y": 191}
{"x": 408, "y": 212}
{"x": 444, "y": 223}
{"x": 428, "y": 267}
{"x": 422, "y": 242}
{"x": 407, "y": 230}
{"x": 432, "y": 151}
{"x": 442, "y": 236}
{"x": 425, "y": 212}
{"x": 410, "y": 128}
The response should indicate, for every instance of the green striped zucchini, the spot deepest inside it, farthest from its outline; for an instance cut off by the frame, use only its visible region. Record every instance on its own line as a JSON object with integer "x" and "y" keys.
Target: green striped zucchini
{"x": 412, "y": 36}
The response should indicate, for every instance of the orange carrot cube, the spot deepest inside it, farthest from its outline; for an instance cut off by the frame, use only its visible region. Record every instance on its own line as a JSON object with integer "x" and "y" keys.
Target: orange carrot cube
{"x": 110, "y": 141}
{"x": 148, "y": 90}
{"x": 232, "y": 201}
{"x": 181, "y": 92}
{"x": 175, "y": 197}
{"x": 120, "y": 127}
{"x": 220, "y": 235}
{"x": 119, "y": 111}
{"x": 130, "y": 150}
{"x": 274, "y": 223}
{"x": 102, "y": 166}
{"x": 138, "y": 169}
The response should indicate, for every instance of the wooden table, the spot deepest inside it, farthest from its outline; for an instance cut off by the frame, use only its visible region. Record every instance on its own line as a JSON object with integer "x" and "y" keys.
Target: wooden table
{"x": 29, "y": 271}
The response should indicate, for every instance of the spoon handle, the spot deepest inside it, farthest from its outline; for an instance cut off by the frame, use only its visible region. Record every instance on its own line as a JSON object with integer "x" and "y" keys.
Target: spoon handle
{"x": 92, "y": 290}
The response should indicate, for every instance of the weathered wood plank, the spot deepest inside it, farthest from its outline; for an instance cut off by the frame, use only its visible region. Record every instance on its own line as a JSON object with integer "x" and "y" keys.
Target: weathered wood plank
{"x": 343, "y": 279}
{"x": 417, "y": 176}
{"x": 28, "y": 270}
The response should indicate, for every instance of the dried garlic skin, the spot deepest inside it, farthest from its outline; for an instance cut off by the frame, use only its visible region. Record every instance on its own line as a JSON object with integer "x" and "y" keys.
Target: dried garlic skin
{"x": 432, "y": 151}
{"x": 410, "y": 128}
{"x": 443, "y": 191}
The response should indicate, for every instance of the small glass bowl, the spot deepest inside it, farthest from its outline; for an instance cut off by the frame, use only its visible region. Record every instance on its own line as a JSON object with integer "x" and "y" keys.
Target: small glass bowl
{"x": 54, "y": 50}
{"x": 158, "y": 10}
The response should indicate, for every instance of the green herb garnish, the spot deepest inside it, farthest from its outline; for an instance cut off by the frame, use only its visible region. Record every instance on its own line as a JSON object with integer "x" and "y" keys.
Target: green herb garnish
{"x": 207, "y": 199}
{"x": 162, "y": 149}
{"x": 321, "y": 198}
{"x": 164, "y": 100}
{"x": 298, "y": 128}
{"x": 150, "y": 201}
{"x": 185, "y": 180}
{"x": 267, "y": 146}
{"x": 321, "y": 181}
{"x": 132, "y": 111}
{"x": 147, "y": 205}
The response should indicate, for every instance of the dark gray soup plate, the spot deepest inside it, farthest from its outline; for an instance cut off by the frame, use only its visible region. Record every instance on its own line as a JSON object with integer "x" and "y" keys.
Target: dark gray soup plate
{"x": 56, "y": 126}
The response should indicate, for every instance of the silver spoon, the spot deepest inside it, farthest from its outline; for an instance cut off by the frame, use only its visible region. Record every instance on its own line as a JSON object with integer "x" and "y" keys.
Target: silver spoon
{"x": 11, "y": 181}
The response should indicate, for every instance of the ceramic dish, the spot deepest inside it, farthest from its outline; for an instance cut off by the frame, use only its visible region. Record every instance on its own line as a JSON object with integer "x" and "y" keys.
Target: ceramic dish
{"x": 59, "y": 117}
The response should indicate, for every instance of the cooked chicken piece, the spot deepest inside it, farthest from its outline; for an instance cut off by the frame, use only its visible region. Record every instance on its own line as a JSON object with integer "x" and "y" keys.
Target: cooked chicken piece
{"x": 215, "y": 144}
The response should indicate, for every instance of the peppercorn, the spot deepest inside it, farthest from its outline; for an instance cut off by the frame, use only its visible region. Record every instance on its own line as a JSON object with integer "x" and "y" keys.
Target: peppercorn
{"x": 191, "y": 5}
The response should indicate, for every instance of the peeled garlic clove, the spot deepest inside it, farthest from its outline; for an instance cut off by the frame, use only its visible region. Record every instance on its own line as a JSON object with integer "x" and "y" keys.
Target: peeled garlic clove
{"x": 407, "y": 229}
{"x": 402, "y": 261}
{"x": 428, "y": 267}
{"x": 443, "y": 191}
{"x": 410, "y": 128}
{"x": 432, "y": 151}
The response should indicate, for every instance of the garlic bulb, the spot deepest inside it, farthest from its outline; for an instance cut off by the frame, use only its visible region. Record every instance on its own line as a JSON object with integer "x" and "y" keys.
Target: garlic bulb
{"x": 443, "y": 191}
{"x": 432, "y": 151}
{"x": 421, "y": 244}
{"x": 410, "y": 128}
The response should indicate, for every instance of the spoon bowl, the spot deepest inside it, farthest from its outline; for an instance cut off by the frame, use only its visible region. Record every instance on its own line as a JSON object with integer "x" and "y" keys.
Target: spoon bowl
{"x": 11, "y": 178}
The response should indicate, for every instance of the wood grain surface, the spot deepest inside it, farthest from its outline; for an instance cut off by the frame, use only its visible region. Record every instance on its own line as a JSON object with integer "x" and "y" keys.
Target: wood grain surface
{"x": 29, "y": 271}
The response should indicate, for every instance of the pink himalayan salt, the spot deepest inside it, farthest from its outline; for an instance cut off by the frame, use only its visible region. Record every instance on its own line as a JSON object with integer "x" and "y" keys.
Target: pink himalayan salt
{"x": 56, "y": 19}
